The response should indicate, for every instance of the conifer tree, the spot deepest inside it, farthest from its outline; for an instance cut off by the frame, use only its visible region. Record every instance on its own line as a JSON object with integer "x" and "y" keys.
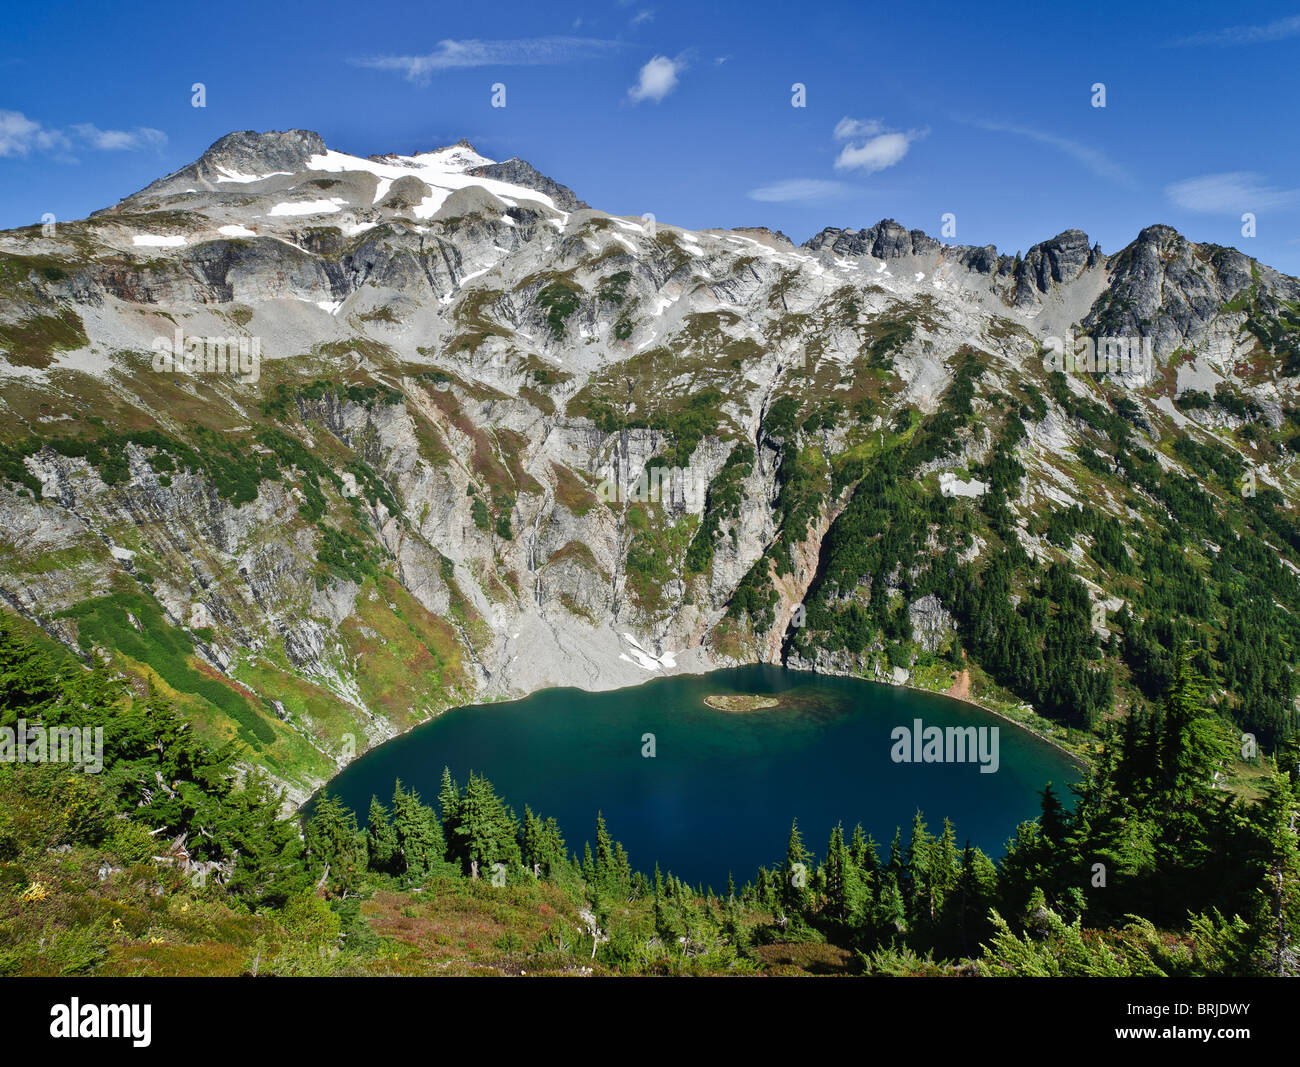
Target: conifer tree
{"x": 971, "y": 901}
{"x": 944, "y": 869}
{"x": 604, "y": 872}
{"x": 896, "y": 865}
{"x": 448, "y": 803}
{"x": 419, "y": 834}
{"x": 891, "y": 910}
{"x": 543, "y": 847}
{"x": 1276, "y": 928}
{"x": 1190, "y": 749}
{"x": 843, "y": 881}
{"x": 381, "y": 840}
{"x": 793, "y": 893}
{"x": 334, "y": 842}
{"x": 486, "y": 830}
{"x": 916, "y": 865}
{"x": 264, "y": 850}
{"x": 664, "y": 929}
{"x": 863, "y": 850}
{"x": 622, "y": 878}
{"x": 1053, "y": 821}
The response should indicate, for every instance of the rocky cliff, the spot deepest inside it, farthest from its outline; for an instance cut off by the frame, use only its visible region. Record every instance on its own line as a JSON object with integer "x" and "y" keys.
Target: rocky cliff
{"x": 317, "y": 445}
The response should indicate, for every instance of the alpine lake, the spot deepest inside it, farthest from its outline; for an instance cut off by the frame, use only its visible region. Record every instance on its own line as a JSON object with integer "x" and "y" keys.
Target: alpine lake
{"x": 703, "y": 774}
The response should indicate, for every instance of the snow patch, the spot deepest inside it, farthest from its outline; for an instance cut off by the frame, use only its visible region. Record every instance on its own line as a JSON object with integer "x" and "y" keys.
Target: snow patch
{"x": 308, "y": 207}
{"x": 158, "y": 240}
{"x": 644, "y": 659}
{"x": 228, "y": 175}
{"x": 442, "y": 172}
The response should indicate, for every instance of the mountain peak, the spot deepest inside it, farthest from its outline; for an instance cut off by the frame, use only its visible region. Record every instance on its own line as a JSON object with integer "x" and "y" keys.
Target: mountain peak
{"x": 242, "y": 156}
{"x": 1159, "y": 233}
{"x": 517, "y": 171}
{"x": 887, "y": 239}
{"x": 247, "y": 151}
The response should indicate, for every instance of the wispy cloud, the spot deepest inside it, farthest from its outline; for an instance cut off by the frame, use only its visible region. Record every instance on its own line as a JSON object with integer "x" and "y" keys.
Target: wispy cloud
{"x": 21, "y": 136}
{"x": 1229, "y": 194}
{"x": 528, "y": 52}
{"x": 803, "y": 189}
{"x": 806, "y": 190}
{"x": 119, "y": 140}
{"x": 881, "y": 148}
{"x": 657, "y": 79}
{"x": 646, "y": 15}
{"x": 1278, "y": 30}
{"x": 1093, "y": 159}
{"x": 848, "y": 128}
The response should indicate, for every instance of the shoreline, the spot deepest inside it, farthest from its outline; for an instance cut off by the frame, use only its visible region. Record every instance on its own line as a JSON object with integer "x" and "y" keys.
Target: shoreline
{"x": 1074, "y": 757}
{"x": 968, "y": 700}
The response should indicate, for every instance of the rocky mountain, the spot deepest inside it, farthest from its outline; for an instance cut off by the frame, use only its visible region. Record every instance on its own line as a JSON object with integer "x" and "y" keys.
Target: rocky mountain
{"x": 318, "y": 446}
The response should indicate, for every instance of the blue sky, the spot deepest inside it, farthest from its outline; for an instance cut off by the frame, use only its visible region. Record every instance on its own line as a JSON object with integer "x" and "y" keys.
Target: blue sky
{"x": 984, "y": 111}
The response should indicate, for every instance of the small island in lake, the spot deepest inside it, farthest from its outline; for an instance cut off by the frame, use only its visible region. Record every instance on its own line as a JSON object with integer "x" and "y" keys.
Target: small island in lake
{"x": 740, "y": 702}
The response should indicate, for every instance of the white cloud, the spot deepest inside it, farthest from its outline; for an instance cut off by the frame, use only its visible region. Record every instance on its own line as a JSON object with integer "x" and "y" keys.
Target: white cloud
{"x": 657, "y": 79}
{"x": 1277, "y": 30}
{"x": 450, "y": 54}
{"x": 848, "y": 128}
{"x": 805, "y": 189}
{"x": 1229, "y": 194}
{"x": 118, "y": 140}
{"x": 1094, "y": 159}
{"x": 643, "y": 16}
{"x": 876, "y": 154}
{"x": 20, "y": 136}
{"x": 881, "y": 148}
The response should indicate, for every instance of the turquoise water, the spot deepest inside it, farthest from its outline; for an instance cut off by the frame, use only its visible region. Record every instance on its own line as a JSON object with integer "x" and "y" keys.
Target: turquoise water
{"x": 719, "y": 794}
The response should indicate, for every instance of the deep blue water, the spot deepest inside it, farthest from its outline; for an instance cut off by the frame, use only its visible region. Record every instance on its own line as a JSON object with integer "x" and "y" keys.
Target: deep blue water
{"x": 722, "y": 788}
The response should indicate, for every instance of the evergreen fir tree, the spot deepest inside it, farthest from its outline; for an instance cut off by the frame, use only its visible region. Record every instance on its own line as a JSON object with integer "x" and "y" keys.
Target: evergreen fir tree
{"x": 334, "y": 843}
{"x": 381, "y": 840}
{"x": 1276, "y": 927}
{"x": 486, "y": 831}
{"x": 844, "y": 892}
{"x": 419, "y": 834}
{"x": 793, "y": 893}
{"x": 448, "y": 803}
